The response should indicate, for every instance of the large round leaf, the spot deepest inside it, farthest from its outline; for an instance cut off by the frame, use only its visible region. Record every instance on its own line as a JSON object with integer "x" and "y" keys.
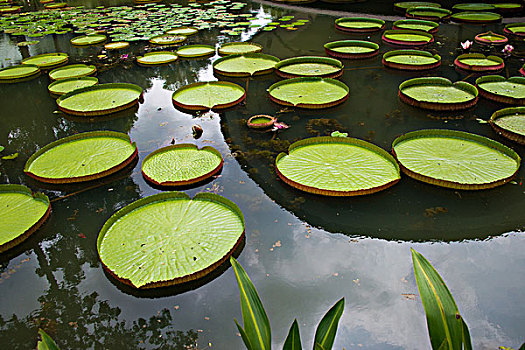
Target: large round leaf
{"x": 510, "y": 122}
{"x": 438, "y": 93}
{"x": 47, "y": 60}
{"x": 478, "y": 62}
{"x": 181, "y": 164}
{"x": 86, "y": 40}
{"x": 245, "y": 65}
{"x": 156, "y": 58}
{"x": 411, "y": 60}
{"x": 351, "y": 49}
{"x": 309, "y": 92}
{"x": 309, "y": 66}
{"x": 455, "y": 159}
{"x": 359, "y": 24}
{"x": 18, "y": 73}
{"x": 476, "y": 17}
{"x": 72, "y": 71}
{"x": 81, "y": 157}
{"x": 239, "y": 48}
{"x": 169, "y": 238}
{"x": 407, "y": 37}
{"x": 63, "y": 86}
{"x": 337, "y": 166}
{"x": 416, "y": 24}
{"x": 21, "y": 213}
{"x": 189, "y": 51}
{"x": 208, "y": 95}
{"x": 497, "y": 88}
{"x": 100, "y": 99}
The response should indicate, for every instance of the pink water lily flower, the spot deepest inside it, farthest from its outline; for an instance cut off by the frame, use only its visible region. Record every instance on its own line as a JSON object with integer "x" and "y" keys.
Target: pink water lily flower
{"x": 507, "y": 50}
{"x": 467, "y": 44}
{"x": 279, "y": 126}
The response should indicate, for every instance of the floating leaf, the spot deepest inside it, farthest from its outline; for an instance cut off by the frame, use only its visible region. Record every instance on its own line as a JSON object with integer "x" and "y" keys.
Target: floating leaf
{"x": 19, "y": 73}
{"x": 208, "y": 95}
{"x": 11, "y": 156}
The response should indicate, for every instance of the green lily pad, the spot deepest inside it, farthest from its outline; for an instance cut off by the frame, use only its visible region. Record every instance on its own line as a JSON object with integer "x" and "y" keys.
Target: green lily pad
{"x": 169, "y": 238}
{"x": 309, "y": 66}
{"x": 100, "y": 99}
{"x": 191, "y": 51}
{"x": 490, "y": 38}
{"x": 515, "y": 28}
{"x": 428, "y": 13}
{"x": 438, "y": 93}
{"x": 478, "y": 62}
{"x": 81, "y": 157}
{"x": 337, "y": 166}
{"x": 416, "y": 24}
{"x": 86, "y": 40}
{"x": 203, "y": 96}
{"x": 411, "y": 59}
{"x": 304, "y": 92}
{"x": 167, "y": 39}
{"x": 186, "y": 31}
{"x": 181, "y": 165}
{"x": 510, "y": 122}
{"x": 63, "y": 86}
{"x": 116, "y": 45}
{"x": 359, "y": 24}
{"x": 47, "y": 60}
{"x": 473, "y": 7}
{"x": 72, "y": 71}
{"x": 403, "y": 6}
{"x": 21, "y": 213}
{"x": 156, "y": 58}
{"x": 351, "y": 49}
{"x": 239, "y": 48}
{"x": 245, "y": 65}
{"x": 455, "y": 159}
{"x": 407, "y": 37}
{"x": 499, "y": 89}
{"x": 476, "y": 17}
{"x": 18, "y": 73}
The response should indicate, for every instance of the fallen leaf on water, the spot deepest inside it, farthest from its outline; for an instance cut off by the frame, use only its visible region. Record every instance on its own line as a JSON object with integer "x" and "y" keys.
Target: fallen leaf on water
{"x": 11, "y": 156}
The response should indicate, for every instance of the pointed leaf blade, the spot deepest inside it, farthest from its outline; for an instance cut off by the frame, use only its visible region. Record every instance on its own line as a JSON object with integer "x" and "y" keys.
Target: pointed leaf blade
{"x": 293, "y": 340}
{"x": 445, "y": 325}
{"x": 243, "y": 336}
{"x": 256, "y": 323}
{"x": 46, "y": 342}
{"x": 327, "y": 328}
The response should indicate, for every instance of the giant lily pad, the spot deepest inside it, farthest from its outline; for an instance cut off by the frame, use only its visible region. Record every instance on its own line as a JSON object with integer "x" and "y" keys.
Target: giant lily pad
{"x": 239, "y": 48}
{"x": 47, "y": 60}
{"x": 63, "y": 86}
{"x": 499, "y": 89}
{"x": 416, "y": 24}
{"x": 156, "y": 58}
{"x": 411, "y": 60}
{"x": 337, "y": 166}
{"x": 116, "y": 45}
{"x": 473, "y": 7}
{"x": 100, "y": 99}
{"x": 245, "y": 65}
{"x": 197, "y": 50}
{"x": 309, "y": 66}
{"x": 517, "y": 29}
{"x": 169, "y": 238}
{"x": 186, "y": 31}
{"x": 477, "y": 62}
{"x": 508, "y": 7}
{"x": 203, "y": 96}
{"x": 351, "y": 49}
{"x": 72, "y": 71}
{"x": 510, "y": 122}
{"x": 438, "y": 93}
{"x": 359, "y": 24}
{"x": 310, "y": 93}
{"x": 428, "y": 13}
{"x": 81, "y": 157}
{"x": 18, "y": 73}
{"x": 167, "y": 39}
{"x": 86, "y": 40}
{"x": 476, "y": 17}
{"x": 403, "y": 6}
{"x": 181, "y": 164}
{"x": 455, "y": 159}
{"x": 490, "y": 38}
{"x": 407, "y": 37}
{"x": 21, "y": 213}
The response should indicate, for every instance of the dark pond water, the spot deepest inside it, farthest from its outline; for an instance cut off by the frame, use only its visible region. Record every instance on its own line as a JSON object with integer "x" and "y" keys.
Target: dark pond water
{"x": 303, "y": 252}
